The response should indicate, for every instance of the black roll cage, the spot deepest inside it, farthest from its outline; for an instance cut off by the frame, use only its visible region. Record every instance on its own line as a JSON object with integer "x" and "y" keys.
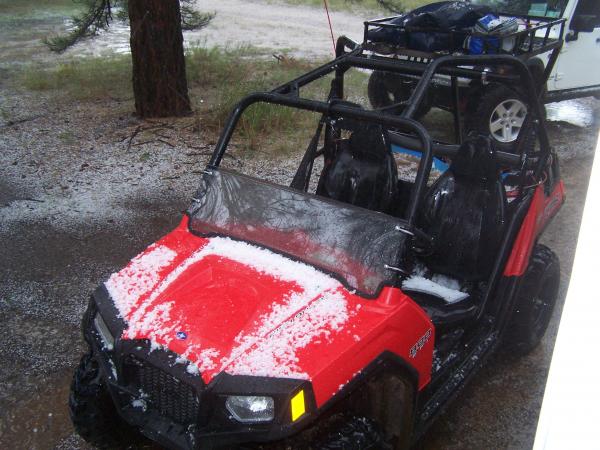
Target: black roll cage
{"x": 409, "y": 132}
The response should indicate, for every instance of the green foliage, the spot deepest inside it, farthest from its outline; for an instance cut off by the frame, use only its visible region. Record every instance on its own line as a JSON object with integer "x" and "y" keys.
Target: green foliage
{"x": 84, "y": 78}
{"x": 192, "y": 19}
{"x": 12, "y": 9}
{"x": 97, "y": 16}
{"x": 225, "y": 76}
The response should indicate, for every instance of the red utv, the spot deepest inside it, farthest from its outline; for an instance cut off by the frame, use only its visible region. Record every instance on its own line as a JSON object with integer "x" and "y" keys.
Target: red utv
{"x": 278, "y": 317}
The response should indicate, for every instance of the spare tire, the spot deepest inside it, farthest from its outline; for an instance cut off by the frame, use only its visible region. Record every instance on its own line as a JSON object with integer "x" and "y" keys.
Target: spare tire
{"x": 499, "y": 113}
{"x": 387, "y": 88}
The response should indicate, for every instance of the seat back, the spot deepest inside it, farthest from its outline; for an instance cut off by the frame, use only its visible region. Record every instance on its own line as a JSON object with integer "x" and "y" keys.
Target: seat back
{"x": 363, "y": 171}
{"x": 465, "y": 213}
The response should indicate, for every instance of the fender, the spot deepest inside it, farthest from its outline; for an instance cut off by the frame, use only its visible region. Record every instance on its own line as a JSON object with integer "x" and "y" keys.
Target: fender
{"x": 541, "y": 210}
{"x": 394, "y": 324}
{"x": 385, "y": 362}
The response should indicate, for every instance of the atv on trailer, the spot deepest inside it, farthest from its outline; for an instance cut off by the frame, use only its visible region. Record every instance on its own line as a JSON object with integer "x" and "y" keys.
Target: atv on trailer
{"x": 342, "y": 313}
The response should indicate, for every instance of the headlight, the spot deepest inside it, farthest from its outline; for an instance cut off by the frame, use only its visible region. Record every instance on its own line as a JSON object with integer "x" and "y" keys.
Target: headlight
{"x": 107, "y": 338}
{"x": 251, "y": 409}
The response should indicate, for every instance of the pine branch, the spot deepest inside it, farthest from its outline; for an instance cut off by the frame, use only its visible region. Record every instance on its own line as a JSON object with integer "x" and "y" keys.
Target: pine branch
{"x": 391, "y": 6}
{"x": 192, "y": 19}
{"x": 98, "y": 16}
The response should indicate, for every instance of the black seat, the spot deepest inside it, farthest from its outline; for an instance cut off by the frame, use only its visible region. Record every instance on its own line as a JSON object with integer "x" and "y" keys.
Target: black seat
{"x": 363, "y": 170}
{"x": 465, "y": 213}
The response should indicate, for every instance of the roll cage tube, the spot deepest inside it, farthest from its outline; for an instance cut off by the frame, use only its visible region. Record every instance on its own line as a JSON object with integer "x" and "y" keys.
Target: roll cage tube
{"x": 531, "y": 91}
{"x": 340, "y": 110}
{"x": 354, "y": 58}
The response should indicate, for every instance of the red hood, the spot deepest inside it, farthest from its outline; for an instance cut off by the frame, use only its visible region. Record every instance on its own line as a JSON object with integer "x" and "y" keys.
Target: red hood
{"x": 229, "y": 306}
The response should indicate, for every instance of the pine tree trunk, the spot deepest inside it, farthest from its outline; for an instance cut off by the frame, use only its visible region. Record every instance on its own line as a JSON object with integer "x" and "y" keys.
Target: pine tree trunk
{"x": 159, "y": 79}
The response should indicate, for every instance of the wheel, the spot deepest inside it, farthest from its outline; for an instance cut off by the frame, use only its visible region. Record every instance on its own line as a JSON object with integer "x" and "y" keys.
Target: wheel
{"x": 386, "y": 89}
{"x": 500, "y": 113}
{"x": 536, "y": 298}
{"x": 351, "y": 433}
{"x": 93, "y": 412}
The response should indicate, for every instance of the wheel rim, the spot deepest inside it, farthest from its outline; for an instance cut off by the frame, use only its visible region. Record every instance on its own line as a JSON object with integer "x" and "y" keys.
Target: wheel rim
{"x": 507, "y": 120}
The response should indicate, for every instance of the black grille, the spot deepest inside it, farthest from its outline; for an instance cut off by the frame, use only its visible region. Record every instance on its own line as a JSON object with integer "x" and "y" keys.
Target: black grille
{"x": 170, "y": 397}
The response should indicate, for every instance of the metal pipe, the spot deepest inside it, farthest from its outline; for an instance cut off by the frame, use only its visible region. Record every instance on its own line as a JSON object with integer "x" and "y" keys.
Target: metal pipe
{"x": 456, "y": 111}
{"x": 416, "y": 68}
{"x": 341, "y": 110}
{"x": 317, "y": 73}
{"x": 484, "y": 60}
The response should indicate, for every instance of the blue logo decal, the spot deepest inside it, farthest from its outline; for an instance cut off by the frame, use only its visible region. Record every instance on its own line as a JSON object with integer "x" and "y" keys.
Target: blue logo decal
{"x": 182, "y": 335}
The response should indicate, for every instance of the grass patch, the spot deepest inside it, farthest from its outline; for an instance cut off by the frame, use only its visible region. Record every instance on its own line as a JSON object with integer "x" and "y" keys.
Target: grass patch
{"x": 14, "y": 9}
{"x": 85, "y": 78}
{"x": 4, "y": 114}
{"x": 218, "y": 80}
{"x": 67, "y": 138}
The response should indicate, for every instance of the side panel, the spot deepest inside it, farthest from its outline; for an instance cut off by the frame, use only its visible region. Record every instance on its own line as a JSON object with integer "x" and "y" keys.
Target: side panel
{"x": 393, "y": 323}
{"x": 542, "y": 209}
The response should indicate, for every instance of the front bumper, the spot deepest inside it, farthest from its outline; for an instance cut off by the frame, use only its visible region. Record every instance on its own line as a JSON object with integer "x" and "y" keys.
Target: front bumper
{"x": 154, "y": 393}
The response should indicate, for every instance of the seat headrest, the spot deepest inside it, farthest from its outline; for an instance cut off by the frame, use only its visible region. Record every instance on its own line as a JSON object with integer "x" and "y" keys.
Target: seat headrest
{"x": 367, "y": 141}
{"x": 476, "y": 160}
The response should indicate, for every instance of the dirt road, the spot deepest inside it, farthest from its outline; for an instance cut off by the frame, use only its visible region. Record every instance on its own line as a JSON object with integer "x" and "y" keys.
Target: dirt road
{"x": 298, "y": 30}
{"x": 76, "y": 202}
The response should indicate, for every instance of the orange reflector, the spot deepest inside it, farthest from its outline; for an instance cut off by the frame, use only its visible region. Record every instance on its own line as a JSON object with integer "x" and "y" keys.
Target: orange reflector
{"x": 298, "y": 407}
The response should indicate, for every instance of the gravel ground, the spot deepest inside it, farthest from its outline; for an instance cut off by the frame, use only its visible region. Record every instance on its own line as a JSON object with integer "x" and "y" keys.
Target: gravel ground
{"x": 78, "y": 199}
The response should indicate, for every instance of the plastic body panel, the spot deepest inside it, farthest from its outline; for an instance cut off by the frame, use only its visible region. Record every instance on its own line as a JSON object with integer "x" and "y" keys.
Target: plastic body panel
{"x": 221, "y": 307}
{"x": 541, "y": 210}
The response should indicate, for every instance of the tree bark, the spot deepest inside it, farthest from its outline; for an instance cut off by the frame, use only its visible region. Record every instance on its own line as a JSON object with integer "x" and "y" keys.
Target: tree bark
{"x": 159, "y": 78}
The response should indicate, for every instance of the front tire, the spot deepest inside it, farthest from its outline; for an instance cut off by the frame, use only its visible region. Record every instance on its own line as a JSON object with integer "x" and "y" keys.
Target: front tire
{"x": 93, "y": 412}
{"x": 536, "y": 299}
{"x": 352, "y": 433}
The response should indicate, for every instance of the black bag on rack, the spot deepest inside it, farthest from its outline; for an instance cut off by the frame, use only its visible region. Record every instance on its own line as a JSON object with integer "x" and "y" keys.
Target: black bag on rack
{"x": 443, "y": 16}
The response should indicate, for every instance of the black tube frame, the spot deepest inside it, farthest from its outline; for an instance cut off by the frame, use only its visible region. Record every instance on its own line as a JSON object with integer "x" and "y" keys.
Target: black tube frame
{"x": 288, "y": 94}
{"x": 452, "y": 65}
{"x": 340, "y": 110}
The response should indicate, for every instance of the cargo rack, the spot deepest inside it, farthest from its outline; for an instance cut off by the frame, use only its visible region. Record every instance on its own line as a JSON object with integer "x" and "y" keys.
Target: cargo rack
{"x": 533, "y": 38}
